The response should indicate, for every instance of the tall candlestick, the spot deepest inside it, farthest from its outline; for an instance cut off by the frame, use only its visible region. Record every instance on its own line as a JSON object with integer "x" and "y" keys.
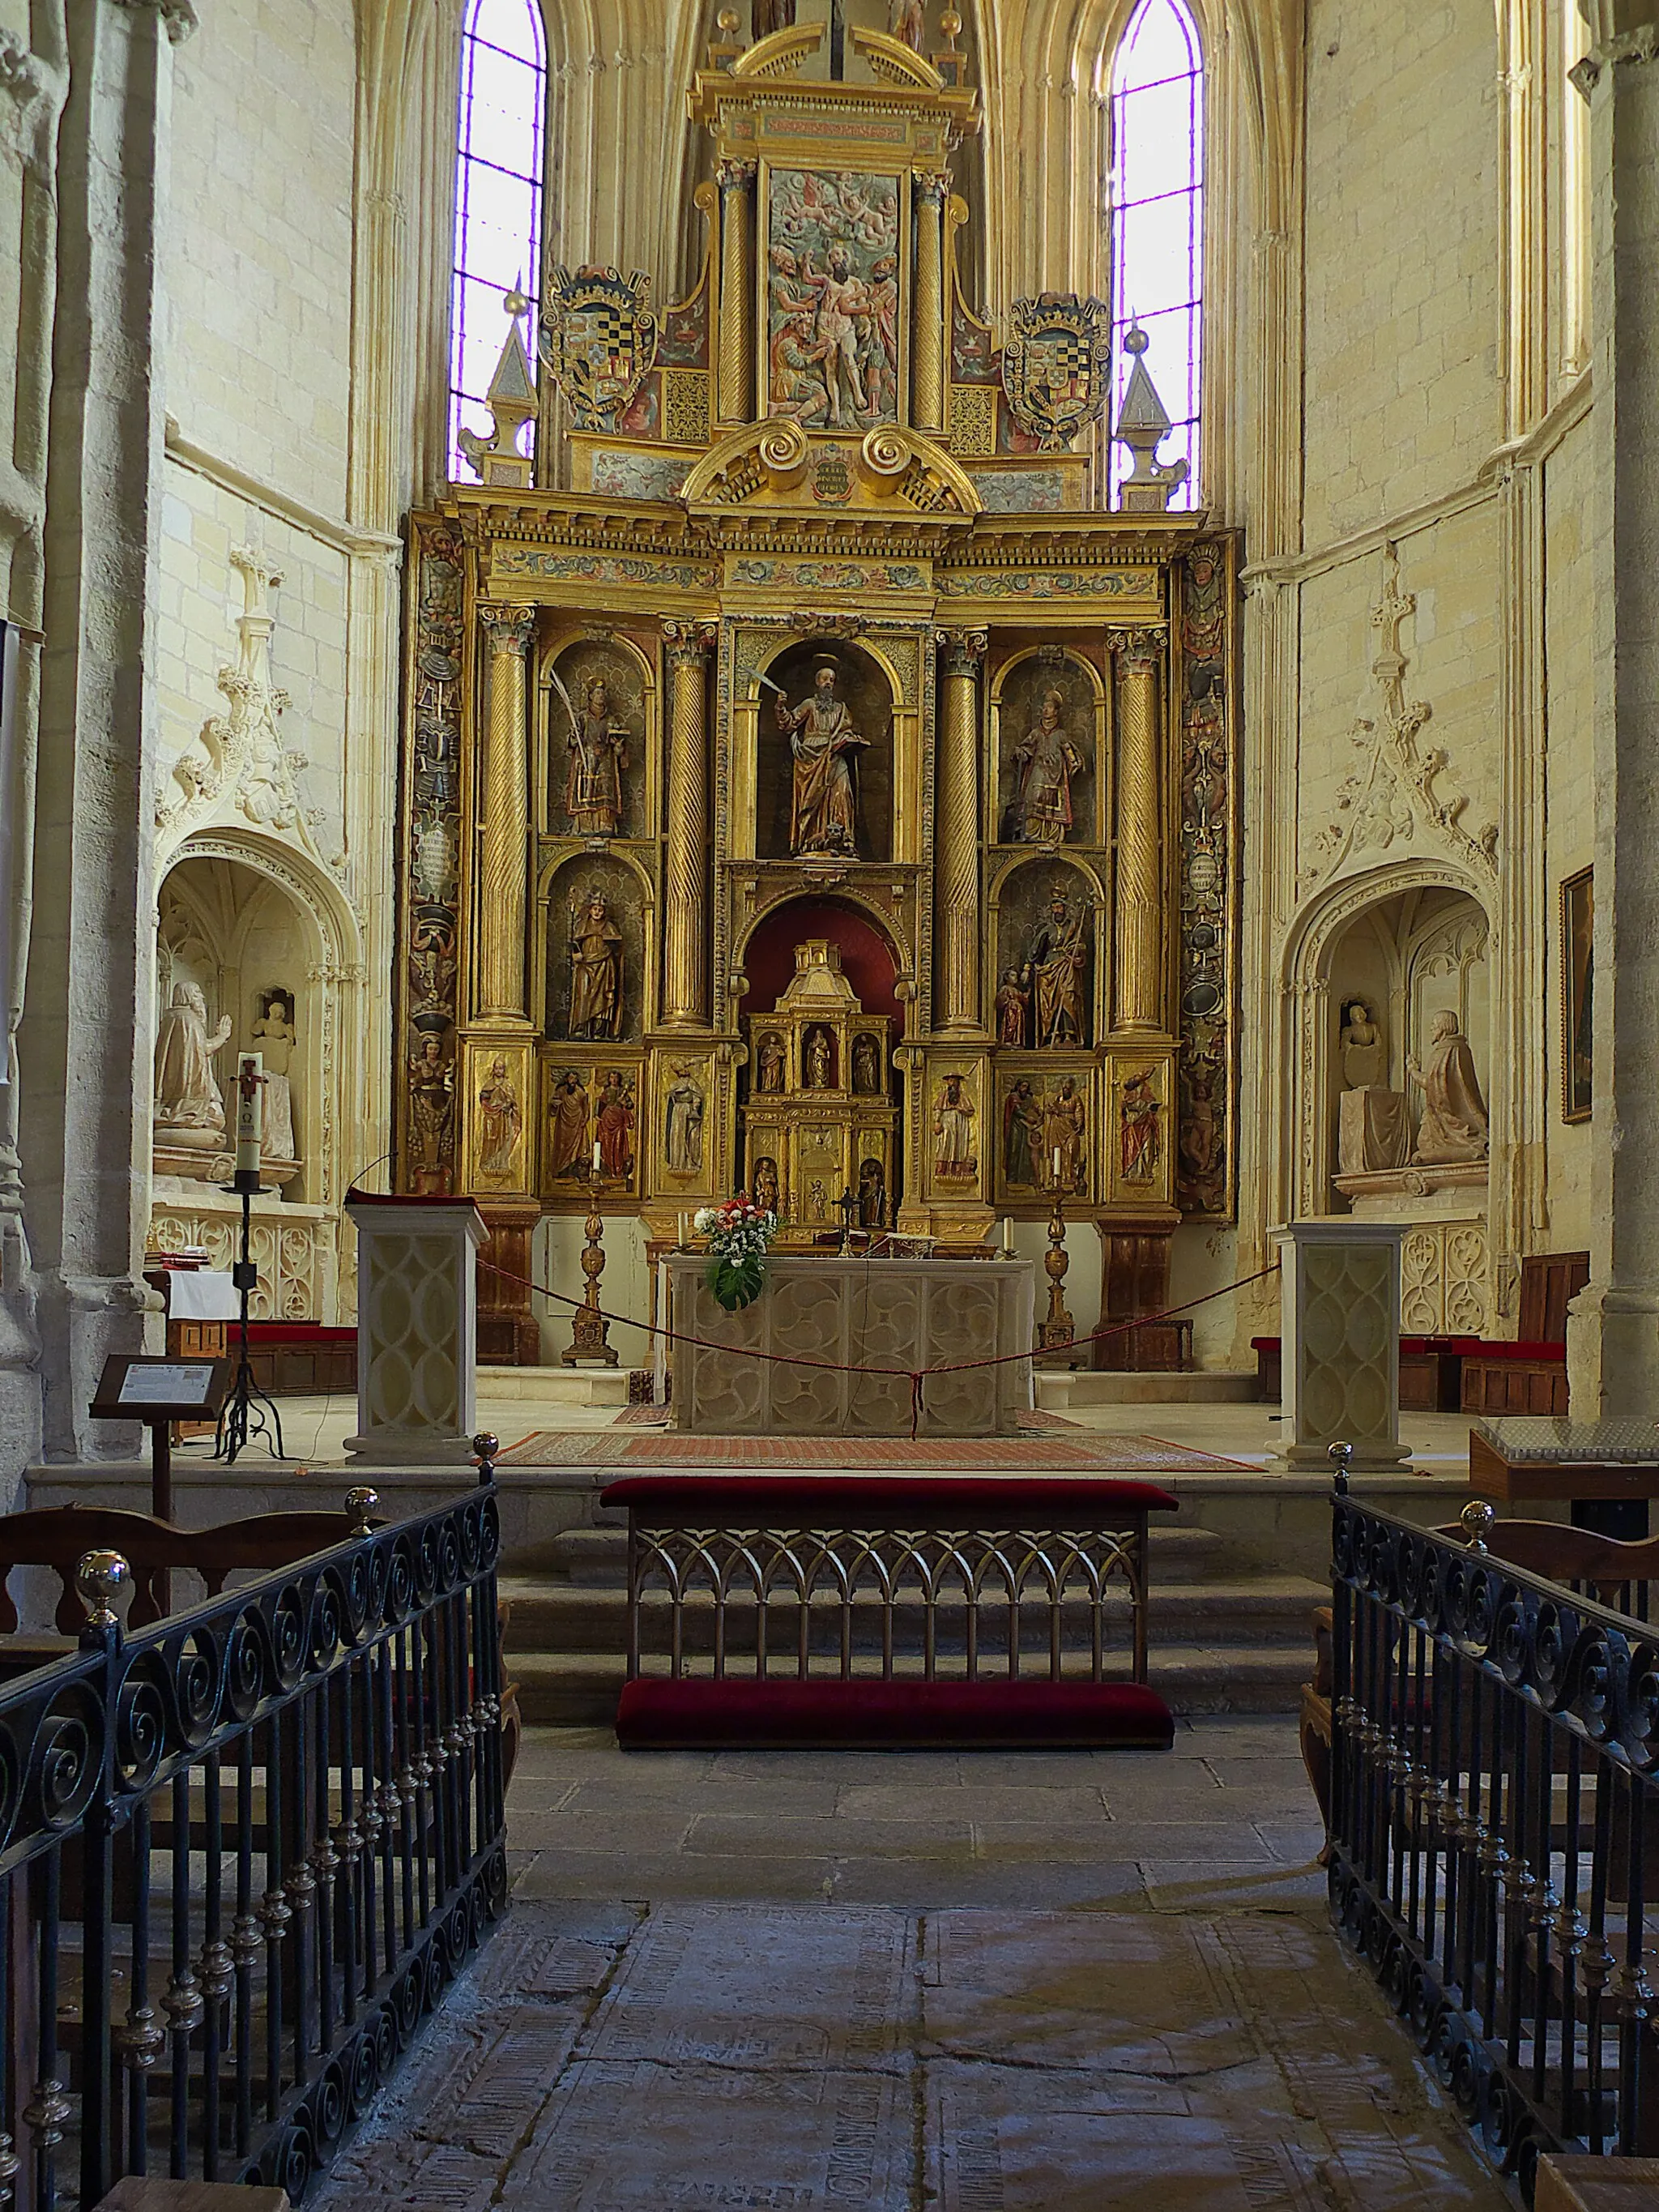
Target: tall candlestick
{"x": 250, "y": 1112}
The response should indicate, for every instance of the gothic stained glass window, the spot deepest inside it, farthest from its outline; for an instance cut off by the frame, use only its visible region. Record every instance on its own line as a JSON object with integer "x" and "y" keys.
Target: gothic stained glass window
{"x": 1157, "y": 205}
{"x": 498, "y": 197}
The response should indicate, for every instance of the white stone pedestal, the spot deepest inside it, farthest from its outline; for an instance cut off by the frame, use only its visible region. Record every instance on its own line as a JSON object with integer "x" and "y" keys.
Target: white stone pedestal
{"x": 1339, "y": 1304}
{"x": 417, "y": 1330}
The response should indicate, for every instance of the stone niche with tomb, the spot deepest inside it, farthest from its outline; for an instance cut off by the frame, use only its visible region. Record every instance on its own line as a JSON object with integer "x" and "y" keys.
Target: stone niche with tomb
{"x": 1407, "y": 1125}
{"x": 236, "y": 973}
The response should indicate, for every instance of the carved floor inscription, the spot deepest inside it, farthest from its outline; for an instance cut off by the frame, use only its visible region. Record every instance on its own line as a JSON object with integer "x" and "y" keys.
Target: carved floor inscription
{"x": 626, "y": 2059}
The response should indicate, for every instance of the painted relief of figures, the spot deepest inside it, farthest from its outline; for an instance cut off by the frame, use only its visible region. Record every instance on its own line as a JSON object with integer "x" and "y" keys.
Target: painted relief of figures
{"x": 597, "y": 746}
{"x": 825, "y": 744}
{"x": 501, "y": 1120}
{"x": 956, "y": 1152}
{"x": 833, "y": 298}
{"x": 596, "y": 970}
{"x": 684, "y": 1106}
{"x": 1140, "y": 1133}
{"x": 1045, "y": 1121}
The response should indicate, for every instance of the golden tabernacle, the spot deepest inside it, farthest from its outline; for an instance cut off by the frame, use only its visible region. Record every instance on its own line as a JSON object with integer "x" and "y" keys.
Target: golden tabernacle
{"x": 824, "y": 794}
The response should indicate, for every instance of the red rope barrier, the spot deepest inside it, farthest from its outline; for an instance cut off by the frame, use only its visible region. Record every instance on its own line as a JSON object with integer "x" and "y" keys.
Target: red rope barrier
{"x": 914, "y": 1377}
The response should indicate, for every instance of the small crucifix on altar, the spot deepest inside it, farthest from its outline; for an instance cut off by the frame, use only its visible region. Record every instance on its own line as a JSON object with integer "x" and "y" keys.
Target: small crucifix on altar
{"x": 847, "y": 1207}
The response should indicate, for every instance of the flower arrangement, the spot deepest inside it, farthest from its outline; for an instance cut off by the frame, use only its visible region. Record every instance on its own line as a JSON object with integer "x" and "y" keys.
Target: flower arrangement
{"x": 740, "y": 1235}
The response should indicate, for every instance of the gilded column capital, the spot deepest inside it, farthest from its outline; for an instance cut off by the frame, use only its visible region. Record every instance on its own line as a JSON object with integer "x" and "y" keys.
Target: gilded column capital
{"x": 510, "y": 629}
{"x": 932, "y": 185}
{"x": 688, "y": 644}
{"x": 962, "y": 651}
{"x": 736, "y": 175}
{"x": 178, "y": 15}
{"x": 1138, "y": 652}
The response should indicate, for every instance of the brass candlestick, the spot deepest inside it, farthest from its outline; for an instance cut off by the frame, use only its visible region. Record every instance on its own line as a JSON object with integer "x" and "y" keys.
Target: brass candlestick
{"x": 1054, "y": 1336}
{"x": 590, "y": 1331}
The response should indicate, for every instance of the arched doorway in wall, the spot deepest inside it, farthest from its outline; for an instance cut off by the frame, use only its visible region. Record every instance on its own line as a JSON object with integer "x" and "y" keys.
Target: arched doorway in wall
{"x": 1392, "y": 1083}
{"x": 252, "y": 955}
{"x": 820, "y": 1100}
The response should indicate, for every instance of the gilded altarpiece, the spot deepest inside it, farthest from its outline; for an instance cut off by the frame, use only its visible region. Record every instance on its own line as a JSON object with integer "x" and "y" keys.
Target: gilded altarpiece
{"x": 825, "y": 669}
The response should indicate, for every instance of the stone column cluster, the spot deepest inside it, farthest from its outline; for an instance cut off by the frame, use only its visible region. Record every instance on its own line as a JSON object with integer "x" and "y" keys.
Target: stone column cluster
{"x": 1138, "y": 932}
{"x": 958, "y": 920}
{"x": 504, "y": 859}
{"x": 685, "y": 893}
{"x": 1613, "y": 1333}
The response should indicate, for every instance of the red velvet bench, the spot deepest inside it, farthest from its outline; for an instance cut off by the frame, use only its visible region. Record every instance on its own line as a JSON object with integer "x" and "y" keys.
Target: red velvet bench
{"x": 887, "y": 1612}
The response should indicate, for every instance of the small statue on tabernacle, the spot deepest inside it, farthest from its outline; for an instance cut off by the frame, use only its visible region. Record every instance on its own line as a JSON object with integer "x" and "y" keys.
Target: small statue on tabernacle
{"x": 872, "y": 1195}
{"x": 907, "y": 20}
{"x": 820, "y": 1064}
{"x": 867, "y": 1069}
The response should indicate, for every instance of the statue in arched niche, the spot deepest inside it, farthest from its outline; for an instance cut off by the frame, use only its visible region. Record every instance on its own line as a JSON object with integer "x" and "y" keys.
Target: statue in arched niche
{"x": 1056, "y": 966}
{"x": 824, "y": 743}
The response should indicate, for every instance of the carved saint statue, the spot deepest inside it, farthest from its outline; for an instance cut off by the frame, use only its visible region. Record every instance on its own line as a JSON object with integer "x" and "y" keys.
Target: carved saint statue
{"x": 431, "y": 1111}
{"x": 614, "y": 1128}
{"x": 769, "y": 1072}
{"x": 683, "y": 1141}
{"x": 764, "y": 1191}
{"x": 1055, "y": 966}
{"x": 907, "y": 20}
{"x": 187, "y": 1094}
{"x": 1021, "y": 1131}
{"x": 819, "y": 1060}
{"x": 1140, "y": 1139}
{"x": 500, "y": 1120}
{"x": 1013, "y": 1005}
{"x": 867, "y": 1066}
{"x": 1453, "y": 1127}
{"x": 274, "y": 1037}
{"x": 598, "y": 746}
{"x": 766, "y": 16}
{"x": 824, "y": 815}
{"x": 872, "y": 1195}
{"x": 596, "y": 971}
{"x": 1363, "y": 1055}
{"x": 567, "y": 1114}
{"x": 1047, "y": 756}
{"x": 1063, "y": 1114}
{"x": 955, "y": 1156}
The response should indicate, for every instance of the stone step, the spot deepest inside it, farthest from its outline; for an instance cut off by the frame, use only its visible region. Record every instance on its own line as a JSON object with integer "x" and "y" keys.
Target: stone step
{"x": 579, "y": 1689}
{"x": 597, "y": 1558}
{"x": 1265, "y": 1610}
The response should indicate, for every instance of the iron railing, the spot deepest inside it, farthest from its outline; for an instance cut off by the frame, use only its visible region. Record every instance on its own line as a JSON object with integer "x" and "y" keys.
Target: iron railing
{"x": 241, "y": 1854}
{"x": 1495, "y": 1831}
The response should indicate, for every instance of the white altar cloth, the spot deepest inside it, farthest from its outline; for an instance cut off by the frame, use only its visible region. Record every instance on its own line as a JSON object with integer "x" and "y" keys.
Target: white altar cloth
{"x": 900, "y": 1315}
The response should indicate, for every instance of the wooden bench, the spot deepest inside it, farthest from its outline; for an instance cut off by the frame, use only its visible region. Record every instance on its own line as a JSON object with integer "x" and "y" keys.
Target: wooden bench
{"x": 902, "y": 1609}
{"x": 1431, "y": 1372}
{"x": 1530, "y": 1375}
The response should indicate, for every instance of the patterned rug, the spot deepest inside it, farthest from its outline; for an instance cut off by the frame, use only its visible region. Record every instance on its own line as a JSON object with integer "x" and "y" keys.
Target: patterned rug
{"x": 1105, "y": 1455}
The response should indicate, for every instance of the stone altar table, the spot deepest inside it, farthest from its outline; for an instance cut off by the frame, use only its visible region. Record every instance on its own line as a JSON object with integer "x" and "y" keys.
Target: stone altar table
{"x": 905, "y": 1314}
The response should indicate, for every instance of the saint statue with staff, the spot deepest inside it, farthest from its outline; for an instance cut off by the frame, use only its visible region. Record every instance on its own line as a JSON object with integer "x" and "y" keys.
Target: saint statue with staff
{"x": 823, "y": 813}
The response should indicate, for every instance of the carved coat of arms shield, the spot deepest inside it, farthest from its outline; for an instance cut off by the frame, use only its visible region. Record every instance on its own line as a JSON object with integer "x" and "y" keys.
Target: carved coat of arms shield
{"x": 1054, "y": 368}
{"x": 598, "y": 341}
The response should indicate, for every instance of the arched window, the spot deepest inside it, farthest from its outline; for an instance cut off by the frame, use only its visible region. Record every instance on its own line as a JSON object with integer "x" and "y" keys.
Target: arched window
{"x": 498, "y": 196}
{"x": 1158, "y": 221}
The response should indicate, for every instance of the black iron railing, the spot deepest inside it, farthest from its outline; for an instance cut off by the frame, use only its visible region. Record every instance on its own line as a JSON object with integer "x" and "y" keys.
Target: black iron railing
{"x": 1495, "y": 1832}
{"x": 241, "y": 1854}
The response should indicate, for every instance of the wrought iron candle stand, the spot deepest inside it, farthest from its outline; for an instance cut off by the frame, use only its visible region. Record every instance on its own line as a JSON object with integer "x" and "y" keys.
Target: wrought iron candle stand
{"x": 1054, "y": 1338}
{"x": 590, "y": 1331}
{"x": 244, "y": 1413}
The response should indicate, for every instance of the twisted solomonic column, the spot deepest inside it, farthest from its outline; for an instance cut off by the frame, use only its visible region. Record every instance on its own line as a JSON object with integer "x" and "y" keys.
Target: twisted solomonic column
{"x": 959, "y": 921}
{"x": 685, "y": 887}
{"x": 736, "y": 390}
{"x": 504, "y": 856}
{"x": 928, "y": 327}
{"x": 1138, "y": 932}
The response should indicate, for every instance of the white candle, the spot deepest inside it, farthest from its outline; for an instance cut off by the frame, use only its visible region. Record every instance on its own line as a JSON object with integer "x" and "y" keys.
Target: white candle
{"x": 250, "y": 1112}
{"x": 1056, "y": 1163}
{"x": 598, "y": 1156}
{"x": 1008, "y": 1232}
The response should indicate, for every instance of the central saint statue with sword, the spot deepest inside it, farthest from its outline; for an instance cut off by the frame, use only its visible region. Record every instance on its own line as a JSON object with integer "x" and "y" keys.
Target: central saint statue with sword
{"x": 826, "y": 744}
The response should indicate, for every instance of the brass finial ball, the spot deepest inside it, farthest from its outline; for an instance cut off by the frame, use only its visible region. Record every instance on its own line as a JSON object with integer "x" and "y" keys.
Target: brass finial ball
{"x": 727, "y": 21}
{"x": 951, "y": 23}
{"x": 98, "y": 1577}
{"x": 359, "y": 1505}
{"x": 1135, "y": 340}
{"x": 1477, "y": 1517}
